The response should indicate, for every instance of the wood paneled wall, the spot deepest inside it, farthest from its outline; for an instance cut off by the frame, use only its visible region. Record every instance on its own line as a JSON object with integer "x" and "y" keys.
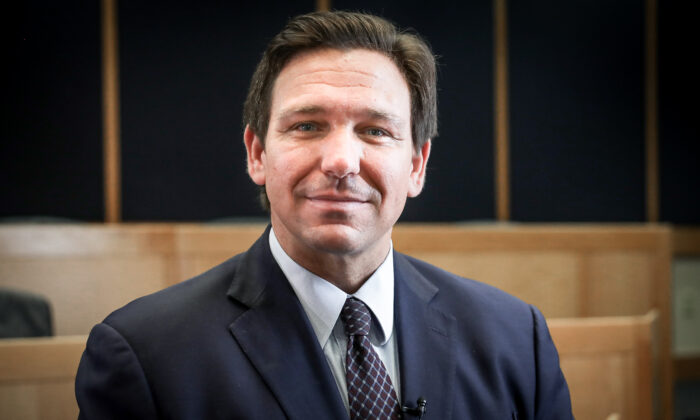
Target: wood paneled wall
{"x": 567, "y": 271}
{"x": 87, "y": 271}
{"x": 610, "y": 356}
{"x": 37, "y": 377}
{"x": 584, "y": 104}
{"x": 610, "y": 366}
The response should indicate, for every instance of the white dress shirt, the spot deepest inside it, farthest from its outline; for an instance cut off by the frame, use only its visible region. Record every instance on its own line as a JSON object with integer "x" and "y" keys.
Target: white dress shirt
{"x": 322, "y": 302}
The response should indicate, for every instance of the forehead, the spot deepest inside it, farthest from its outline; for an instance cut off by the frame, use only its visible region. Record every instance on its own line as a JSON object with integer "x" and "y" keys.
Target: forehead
{"x": 344, "y": 77}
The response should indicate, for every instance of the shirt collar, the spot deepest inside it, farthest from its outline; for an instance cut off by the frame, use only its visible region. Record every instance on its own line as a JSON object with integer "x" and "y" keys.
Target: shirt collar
{"x": 322, "y": 301}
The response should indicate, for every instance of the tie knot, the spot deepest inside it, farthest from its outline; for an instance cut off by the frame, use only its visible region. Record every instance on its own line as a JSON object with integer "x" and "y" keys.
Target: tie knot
{"x": 356, "y": 317}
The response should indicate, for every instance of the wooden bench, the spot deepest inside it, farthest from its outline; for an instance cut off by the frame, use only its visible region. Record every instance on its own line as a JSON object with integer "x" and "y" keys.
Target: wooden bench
{"x": 37, "y": 377}
{"x": 608, "y": 363}
{"x": 565, "y": 270}
{"x": 611, "y": 365}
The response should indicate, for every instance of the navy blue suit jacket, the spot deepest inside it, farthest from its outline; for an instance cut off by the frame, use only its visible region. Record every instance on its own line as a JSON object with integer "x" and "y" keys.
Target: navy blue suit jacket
{"x": 235, "y": 343}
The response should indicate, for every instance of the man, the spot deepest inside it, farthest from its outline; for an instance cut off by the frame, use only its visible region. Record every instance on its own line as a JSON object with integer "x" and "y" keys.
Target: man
{"x": 321, "y": 319}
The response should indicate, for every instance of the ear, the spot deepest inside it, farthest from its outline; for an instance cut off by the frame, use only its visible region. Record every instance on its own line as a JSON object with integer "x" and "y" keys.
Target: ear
{"x": 256, "y": 156}
{"x": 419, "y": 162}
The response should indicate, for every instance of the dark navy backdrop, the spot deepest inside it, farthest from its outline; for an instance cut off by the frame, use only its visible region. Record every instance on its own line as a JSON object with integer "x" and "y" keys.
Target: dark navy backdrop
{"x": 576, "y": 109}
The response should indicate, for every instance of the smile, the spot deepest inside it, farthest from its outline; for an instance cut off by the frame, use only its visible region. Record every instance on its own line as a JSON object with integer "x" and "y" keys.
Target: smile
{"x": 337, "y": 198}
{"x": 336, "y": 202}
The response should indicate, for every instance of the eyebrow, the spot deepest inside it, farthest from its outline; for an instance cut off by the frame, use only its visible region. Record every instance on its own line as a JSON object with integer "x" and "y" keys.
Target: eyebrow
{"x": 371, "y": 113}
{"x": 376, "y": 114}
{"x": 304, "y": 110}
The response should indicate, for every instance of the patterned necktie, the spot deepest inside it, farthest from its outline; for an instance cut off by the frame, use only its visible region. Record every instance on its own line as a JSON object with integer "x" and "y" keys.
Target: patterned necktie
{"x": 370, "y": 392}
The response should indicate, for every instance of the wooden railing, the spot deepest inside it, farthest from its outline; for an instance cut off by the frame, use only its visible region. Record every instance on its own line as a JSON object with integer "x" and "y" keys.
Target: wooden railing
{"x": 611, "y": 365}
{"x": 566, "y": 270}
{"x": 37, "y": 377}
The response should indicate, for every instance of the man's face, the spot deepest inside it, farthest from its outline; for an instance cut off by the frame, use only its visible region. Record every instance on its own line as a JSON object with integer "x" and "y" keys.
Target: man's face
{"x": 338, "y": 162}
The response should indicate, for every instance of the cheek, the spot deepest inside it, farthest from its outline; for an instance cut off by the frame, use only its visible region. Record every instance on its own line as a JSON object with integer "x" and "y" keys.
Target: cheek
{"x": 393, "y": 181}
{"x": 284, "y": 170}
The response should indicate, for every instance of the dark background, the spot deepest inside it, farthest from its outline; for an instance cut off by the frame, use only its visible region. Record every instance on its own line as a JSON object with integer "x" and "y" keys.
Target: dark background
{"x": 577, "y": 119}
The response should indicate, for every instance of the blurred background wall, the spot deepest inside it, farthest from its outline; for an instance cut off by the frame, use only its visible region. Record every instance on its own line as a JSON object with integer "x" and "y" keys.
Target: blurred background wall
{"x": 576, "y": 109}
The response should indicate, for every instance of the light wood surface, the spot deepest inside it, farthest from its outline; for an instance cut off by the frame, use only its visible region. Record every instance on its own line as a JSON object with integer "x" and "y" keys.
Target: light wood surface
{"x": 37, "y": 377}
{"x": 565, "y": 270}
{"x": 610, "y": 365}
{"x": 87, "y": 271}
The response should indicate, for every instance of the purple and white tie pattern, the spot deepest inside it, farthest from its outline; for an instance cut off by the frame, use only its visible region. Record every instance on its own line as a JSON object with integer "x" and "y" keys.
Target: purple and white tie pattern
{"x": 371, "y": 394}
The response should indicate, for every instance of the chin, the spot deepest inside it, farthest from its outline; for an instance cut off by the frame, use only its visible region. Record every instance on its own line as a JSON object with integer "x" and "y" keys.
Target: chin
{"x": 335, "y": 239}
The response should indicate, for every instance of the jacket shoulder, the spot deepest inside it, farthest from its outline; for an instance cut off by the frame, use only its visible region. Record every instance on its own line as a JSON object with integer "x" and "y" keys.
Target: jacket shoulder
{"x": 464, "y": 290}
{"x": 188, "y": 303}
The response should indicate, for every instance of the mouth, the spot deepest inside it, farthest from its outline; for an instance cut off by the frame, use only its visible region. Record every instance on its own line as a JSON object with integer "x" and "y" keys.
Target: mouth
{"x": 336, "y": 198}
{"x": 342, "y": 198}
{"x": 337, "y": 205}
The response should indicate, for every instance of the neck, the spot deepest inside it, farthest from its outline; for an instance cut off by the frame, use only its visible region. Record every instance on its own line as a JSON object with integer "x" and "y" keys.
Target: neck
{"x": 347, "y": 270}
{"x": 348, "y": 273}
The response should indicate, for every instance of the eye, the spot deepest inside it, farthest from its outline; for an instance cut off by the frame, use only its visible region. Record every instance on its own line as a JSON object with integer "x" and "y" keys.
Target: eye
{"x": 306, "y": 126}
{"x": 376, "y": 132}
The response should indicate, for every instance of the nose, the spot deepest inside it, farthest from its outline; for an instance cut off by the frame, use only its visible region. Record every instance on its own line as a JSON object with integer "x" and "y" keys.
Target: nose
{"x": 341, "y": 154}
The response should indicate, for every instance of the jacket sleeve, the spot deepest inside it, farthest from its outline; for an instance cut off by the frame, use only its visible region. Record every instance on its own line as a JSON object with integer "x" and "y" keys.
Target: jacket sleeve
{"x": 110, "y": 383}
{"x": 552, "y": 400}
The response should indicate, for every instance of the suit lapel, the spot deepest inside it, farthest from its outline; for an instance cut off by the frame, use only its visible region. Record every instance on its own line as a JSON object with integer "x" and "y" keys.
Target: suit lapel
{"x": 426, "y": 353}
{"x": 279, "y": 341}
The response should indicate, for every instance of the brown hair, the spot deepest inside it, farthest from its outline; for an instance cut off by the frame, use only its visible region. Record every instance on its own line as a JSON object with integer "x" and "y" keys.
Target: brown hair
{"x": 347, "y": 30}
